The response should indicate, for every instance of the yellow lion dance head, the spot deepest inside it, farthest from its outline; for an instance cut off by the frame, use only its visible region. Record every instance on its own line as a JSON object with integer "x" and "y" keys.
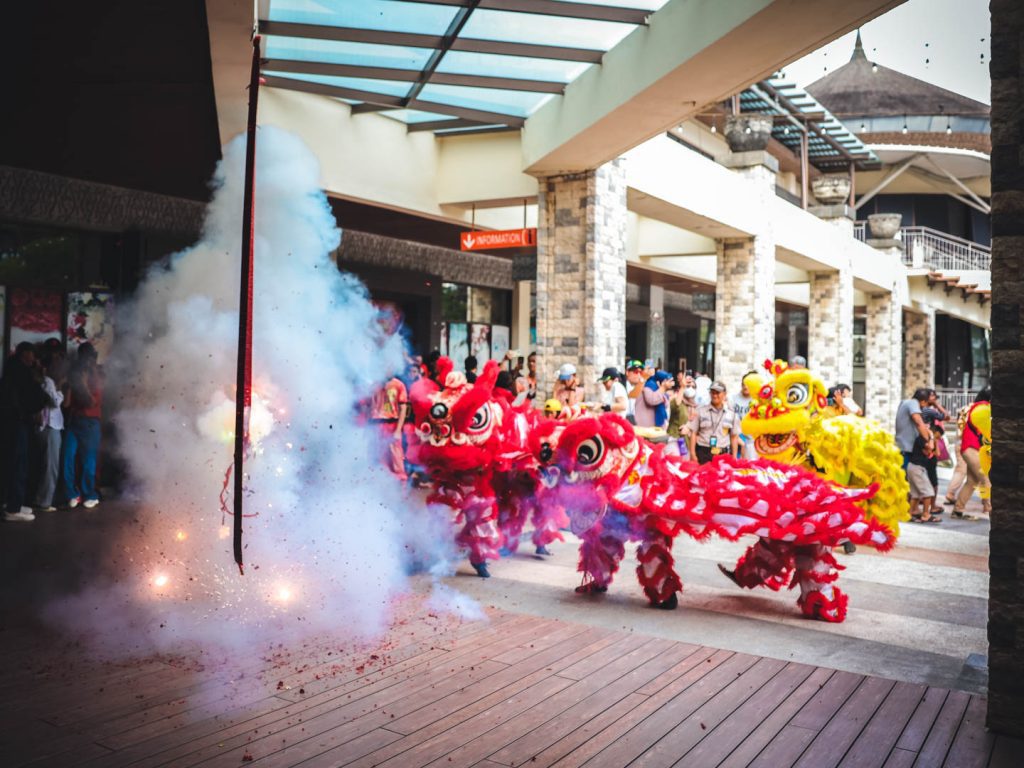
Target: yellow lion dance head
{"x": 781, "y": 410}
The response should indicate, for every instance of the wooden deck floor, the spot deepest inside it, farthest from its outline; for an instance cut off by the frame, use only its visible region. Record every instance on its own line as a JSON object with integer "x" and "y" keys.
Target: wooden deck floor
{"x": 512, "y": 691}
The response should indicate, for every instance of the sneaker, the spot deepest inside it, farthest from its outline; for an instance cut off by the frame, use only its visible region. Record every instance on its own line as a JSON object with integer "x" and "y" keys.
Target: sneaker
{"x": 48, "y": 508}
{"x": 72, "y": 503}
{"x": 90, "y": 503}
{"x": 19, "y": 517}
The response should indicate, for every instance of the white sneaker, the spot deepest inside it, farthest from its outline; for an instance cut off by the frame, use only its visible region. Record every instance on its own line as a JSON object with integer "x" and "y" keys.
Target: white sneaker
{"x": 19, "y": 517}
{"x": 72, "y": 503}
{"x": 90, "y": 503}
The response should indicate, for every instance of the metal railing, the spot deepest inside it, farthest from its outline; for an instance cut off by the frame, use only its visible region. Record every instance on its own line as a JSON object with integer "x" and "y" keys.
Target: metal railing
{"x": 955, "y": 399}
{"x": 927, "y": 248}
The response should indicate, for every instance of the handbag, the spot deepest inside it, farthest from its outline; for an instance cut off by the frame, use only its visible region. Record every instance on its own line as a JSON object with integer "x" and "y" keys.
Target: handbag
{"x": 942, "y": 453}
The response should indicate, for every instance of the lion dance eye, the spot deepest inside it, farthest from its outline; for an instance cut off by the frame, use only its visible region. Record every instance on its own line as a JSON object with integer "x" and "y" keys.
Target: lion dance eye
{"x": 766, "y": 393}
{"x": 481, "y": 419}
{"x": 590, "y": 452}
{"x": 797, "y": 395}
{"x": 438, "y": 411}
{"x": 546, "y": 452}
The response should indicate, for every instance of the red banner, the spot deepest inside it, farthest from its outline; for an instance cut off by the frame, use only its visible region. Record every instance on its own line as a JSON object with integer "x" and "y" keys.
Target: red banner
{"x": 498, "y": 238}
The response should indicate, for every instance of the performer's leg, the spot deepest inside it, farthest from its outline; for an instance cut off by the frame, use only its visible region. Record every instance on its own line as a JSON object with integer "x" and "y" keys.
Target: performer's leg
{"x": 816, "y": 571}
{"x": 601, "y": 551}
{"x": 656, "y": 572}
{"x": 766, "y": 563}
{"x": 480, "y": 533}
{"x": 546, "y": 524}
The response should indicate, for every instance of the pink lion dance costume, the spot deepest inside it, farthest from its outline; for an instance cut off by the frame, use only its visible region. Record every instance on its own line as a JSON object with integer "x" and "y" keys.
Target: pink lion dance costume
{"x": 617, "y": 488}
{"x": 476, "y": 448}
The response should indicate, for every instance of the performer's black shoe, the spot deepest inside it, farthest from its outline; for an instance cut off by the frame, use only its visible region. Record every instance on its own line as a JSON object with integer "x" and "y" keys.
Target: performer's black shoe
{"x": 730, "y": 575}
{"x": 591, "y": 588}
{"x": 668, "y": 605}
{"x": 481, "y": 570}
{"x": 849, "y": 547}
{"x": 542, "y": 550}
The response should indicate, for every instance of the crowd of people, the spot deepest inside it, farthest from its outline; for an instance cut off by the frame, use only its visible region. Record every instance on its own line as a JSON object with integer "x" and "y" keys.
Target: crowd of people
{"x": 50, "y": 411}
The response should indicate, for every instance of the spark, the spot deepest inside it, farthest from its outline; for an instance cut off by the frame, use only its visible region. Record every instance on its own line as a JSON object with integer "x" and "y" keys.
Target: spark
{"x": 224, "y": 532}
{"x": 180, "y": 536}
{"x": 160, "y": 580}
{"x": 283, "y": 594}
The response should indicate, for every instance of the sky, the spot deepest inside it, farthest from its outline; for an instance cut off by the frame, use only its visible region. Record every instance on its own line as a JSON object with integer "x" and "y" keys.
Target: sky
{"x": 945, "y": 42}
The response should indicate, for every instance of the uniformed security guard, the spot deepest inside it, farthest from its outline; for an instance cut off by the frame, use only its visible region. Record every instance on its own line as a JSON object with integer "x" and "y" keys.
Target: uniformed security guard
{"x": 713, "y": 427}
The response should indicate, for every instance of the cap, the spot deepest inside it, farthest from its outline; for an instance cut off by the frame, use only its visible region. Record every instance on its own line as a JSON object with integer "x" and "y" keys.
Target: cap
{"x": 566, "y": 372}
{"x": 553, "y": 406}
{"x": 635, "y": 365}
{"x": 609, "y": 374}
{"x": 717, "y": 387}
{"x": 660, "y": 376}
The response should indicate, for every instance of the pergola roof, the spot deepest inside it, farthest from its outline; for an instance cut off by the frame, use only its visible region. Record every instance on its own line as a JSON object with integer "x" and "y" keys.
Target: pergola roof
{"x": 831, "y": 145}
{"x": 442, "y": 65}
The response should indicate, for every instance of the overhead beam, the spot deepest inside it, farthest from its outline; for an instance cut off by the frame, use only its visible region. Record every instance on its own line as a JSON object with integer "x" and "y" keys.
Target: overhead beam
{"x": 410, "y": 75}
{"x": 434, "y": 125}
{"x": 393, "y": 102}
{"x": 981, "y": 204}
{"x": 415, "y": 40}
{"x": 889, "y": 179}
{"x": 454, "y": 28}
{"x": 935, "y": 182}
{"x": 554, "y": 8}
{"x": 691, "y": 53}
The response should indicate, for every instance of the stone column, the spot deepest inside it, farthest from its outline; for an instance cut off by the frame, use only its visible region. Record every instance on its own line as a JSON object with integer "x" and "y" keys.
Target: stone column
{"x": 745, "y": 288}
{"x": 918, "y": 351}
{"x": 792, "y": 342}
{"x": 581, "y": 273}
{"x": 830, "y": 314}
{"x": 883, "y": 363}
{"x": 1006, "y": 538}
{"x": 656, "y": 324}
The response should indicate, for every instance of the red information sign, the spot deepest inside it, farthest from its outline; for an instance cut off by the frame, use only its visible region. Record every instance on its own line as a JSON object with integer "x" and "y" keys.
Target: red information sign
{"x": 498, "y": 238}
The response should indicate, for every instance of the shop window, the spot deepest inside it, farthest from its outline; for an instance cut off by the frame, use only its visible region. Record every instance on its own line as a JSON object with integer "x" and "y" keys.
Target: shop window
{"x": 454, "y": 303}
{"x": 30, "y": 256}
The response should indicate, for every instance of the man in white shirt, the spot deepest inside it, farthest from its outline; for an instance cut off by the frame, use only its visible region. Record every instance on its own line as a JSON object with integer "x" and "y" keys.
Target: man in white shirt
{"x": 614, "y": 397}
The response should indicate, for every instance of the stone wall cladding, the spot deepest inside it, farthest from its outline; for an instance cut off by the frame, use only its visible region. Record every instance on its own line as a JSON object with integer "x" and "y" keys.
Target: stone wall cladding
{"x": 452, "y": 266}
{"x": 830, "y": 326}
{"x": 1006, "y": 539}
{"x": 745, "y": 294}
{"x": 44, "y": 198}
{"x": 581, "y": 273}
{"x": 918, "y": 351}
{"x": 884, "y": 358}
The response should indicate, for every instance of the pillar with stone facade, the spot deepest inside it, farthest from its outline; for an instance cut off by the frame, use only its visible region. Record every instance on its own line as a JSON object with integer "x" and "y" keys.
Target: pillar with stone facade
{"x": 656, "y": 325}
{"x": 883, "y": 358}
{"x": 830, "y": 314}
{"x": 1006, "y": 539}
{"x": 581, "y": 274}
{"x": 745, "y": 285}
{"x": 918, "y": 350}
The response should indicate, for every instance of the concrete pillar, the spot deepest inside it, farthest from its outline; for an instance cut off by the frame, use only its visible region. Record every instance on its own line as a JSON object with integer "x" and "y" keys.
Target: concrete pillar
{"x": 883, "y": 363}
{"x": 520, "y": 332}
{"x": 745, "y": 289}
{"x": 918, "y": 350}
{"x": 581, "y": 273}
{"x": 792, "y": 342}
{"x": 830, "y": 314}
{"x": 1006, "y": 538}
{"x": 656, "y": 325}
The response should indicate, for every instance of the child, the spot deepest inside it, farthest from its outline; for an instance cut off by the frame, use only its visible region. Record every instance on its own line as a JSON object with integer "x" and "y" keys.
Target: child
{"x": 922, "y": 492}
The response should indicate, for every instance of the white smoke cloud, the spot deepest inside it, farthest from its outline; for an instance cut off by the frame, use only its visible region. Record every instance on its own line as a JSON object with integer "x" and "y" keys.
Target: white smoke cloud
{"x": 328, "y": 547}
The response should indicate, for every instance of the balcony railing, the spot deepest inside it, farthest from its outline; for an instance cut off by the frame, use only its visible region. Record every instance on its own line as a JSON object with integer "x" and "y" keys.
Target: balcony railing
{"x": 955, "y": 399}
{"x": 926, "y": 248}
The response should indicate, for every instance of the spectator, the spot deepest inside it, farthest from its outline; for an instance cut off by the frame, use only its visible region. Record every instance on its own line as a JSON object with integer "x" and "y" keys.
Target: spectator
{"x": 971, "y": 441}
{"x": 614, "y": 398}
{"x": 567, "y": 389}
{"x": 922, "y": 490}
{"x": 910, "y": 424}
{"x": 832, "y": 407}
{"x": 843, "y": 394}
{"x": 799, "y": 362}
{"x": 652, "y": 405}
{"x": 956, "y": 482}
{"x": 388, "y": 411}
{"x": 933, "y": 402}
{"x": 84, "y": 406}
{"x": 471, "y": 369}
{"x": 504, "y": 386}
{"x": 634, "y": 384}
{"x": 712, "y": 427}
{"x": 22, "y": 400}
{"x": 740, "y": 404}
{"x": 680, "y": 402}
{"x": 51, "y": 427}
{"x": 552, "y": 408}
{"x": 531, "y": 375}
{"x": 522, "y": 389}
